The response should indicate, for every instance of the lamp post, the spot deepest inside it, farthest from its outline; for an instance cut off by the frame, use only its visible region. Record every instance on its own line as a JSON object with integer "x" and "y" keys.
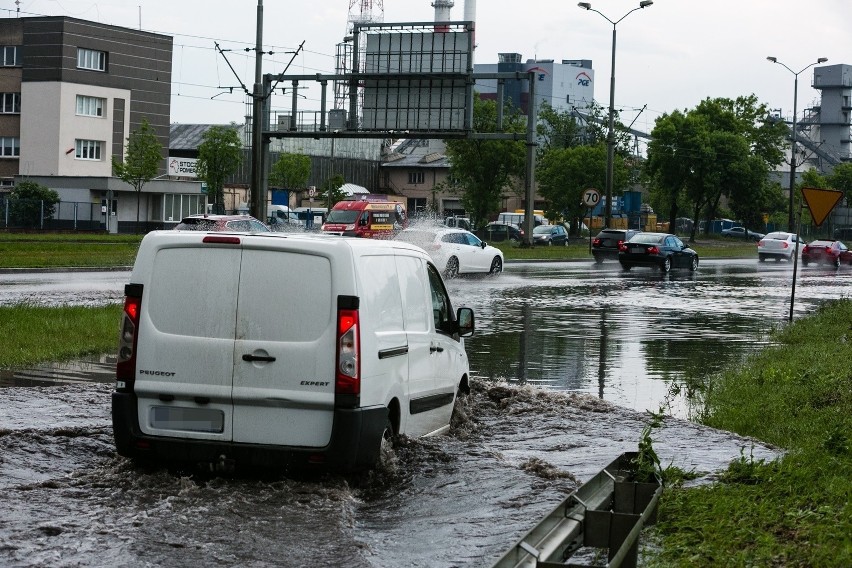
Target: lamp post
{"x": 610, "y": 137}
{"x": 790, "y": 221}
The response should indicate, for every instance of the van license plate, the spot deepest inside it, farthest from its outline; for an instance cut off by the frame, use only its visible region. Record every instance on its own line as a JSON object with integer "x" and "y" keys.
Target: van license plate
{"x": 187, "y": 419}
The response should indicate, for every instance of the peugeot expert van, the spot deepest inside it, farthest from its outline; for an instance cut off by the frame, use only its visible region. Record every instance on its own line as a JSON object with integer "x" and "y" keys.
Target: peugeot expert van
{"x": 283, "y": 350}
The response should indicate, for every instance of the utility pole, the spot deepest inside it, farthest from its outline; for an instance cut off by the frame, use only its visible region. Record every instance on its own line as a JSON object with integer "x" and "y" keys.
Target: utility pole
{"x": 258, "y": 192}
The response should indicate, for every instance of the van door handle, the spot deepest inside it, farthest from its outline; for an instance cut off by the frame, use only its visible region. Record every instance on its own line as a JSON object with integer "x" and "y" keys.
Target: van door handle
{"x": 434, "y": 348}
{"x": 250, "y": 357}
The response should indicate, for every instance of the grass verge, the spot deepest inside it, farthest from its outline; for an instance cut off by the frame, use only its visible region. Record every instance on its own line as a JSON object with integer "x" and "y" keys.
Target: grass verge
{"x": 35, "y": 334}
{"x": 796, "y": 511}
{"x": 49, "y": 250}
{"x": 25, "y": 250}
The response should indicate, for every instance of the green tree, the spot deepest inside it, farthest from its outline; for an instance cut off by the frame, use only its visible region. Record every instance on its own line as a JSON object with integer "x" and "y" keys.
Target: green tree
{"x": 564, "y": 173}
{"x": 291, "y": 171}
{"x": 722, "y": 148}
{"x": 30, "y": 203}
{"x": 841, "y": 178}
{"x": 330, "y": 192}
{"x": 141, "y": 161}
{"x": 219, "y": 155}
{"x": 482, "y": 169}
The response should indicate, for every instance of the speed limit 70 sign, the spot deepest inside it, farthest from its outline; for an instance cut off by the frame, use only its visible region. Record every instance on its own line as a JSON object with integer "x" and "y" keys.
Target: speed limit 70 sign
{"x": 591, "y": 197}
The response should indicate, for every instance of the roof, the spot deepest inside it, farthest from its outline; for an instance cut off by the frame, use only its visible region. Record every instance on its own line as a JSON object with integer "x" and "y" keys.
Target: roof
{"x": 190, "y": 136}
{"x": 352, "y": 189}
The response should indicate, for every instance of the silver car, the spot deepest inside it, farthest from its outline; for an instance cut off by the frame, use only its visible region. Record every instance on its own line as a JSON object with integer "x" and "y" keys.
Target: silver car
{"x": 778, "y": 245}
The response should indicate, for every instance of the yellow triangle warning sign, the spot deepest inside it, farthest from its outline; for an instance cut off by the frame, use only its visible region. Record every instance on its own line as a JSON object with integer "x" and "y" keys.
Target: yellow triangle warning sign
{"x": 821, "y": 202}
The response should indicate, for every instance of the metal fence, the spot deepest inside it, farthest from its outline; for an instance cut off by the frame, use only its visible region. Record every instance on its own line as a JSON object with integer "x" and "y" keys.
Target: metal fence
{"x": 40, "y": 215}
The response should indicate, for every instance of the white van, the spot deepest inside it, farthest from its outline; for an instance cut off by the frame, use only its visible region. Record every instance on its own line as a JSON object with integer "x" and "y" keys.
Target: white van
{"x": 518, "y": 219}
{"x": 283, "y": 349}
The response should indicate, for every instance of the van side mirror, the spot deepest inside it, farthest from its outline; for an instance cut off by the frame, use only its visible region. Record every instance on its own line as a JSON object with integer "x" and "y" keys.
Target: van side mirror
{"x": 362, "y": 221}
{"x": 465, "y": 321}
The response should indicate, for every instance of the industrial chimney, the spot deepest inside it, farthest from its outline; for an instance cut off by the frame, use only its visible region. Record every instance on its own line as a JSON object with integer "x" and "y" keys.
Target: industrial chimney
{"x": 442, "y": 13}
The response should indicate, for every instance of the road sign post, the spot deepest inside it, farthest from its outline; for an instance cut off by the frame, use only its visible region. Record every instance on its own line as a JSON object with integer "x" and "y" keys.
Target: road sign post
{"x": 591, "y": 197}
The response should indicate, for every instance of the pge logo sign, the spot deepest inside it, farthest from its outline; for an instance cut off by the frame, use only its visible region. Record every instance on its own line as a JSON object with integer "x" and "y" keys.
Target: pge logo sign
{"x": 540, "y": 72}
{"x": 583, "y": 79}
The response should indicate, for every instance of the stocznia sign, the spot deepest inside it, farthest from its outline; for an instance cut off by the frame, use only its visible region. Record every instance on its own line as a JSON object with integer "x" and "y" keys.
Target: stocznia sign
{"x": 184, "y": 167}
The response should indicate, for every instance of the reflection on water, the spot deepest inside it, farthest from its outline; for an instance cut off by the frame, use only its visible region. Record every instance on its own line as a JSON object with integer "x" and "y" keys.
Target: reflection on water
{"x": 629, "y": 337}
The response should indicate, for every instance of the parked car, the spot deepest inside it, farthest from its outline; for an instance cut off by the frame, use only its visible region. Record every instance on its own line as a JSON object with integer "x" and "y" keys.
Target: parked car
{"x": 235, "y": 223}
{"x": 496, "y": 232}
{"x": 607, "y": 243}
{"x": 742, "y": 233}
{"x": 455, "y": 251}
{"x": 778, "y": 245}
{"x": 550, "y": 235}
{"x": 657, "y": 250}
{"x": 834, "y": 253}
{"x": 843, "y": 233}
{"x": 378, "y": 351}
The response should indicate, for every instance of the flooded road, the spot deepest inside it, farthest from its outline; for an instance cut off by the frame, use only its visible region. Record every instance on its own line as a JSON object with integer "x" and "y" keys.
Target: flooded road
{"x": 629, "y": 337}
{"x": 605, "y": 345}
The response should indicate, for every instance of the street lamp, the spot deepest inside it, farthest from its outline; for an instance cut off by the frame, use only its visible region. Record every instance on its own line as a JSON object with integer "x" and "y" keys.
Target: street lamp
{"x": 610, "y": 137}
{"x": 790, "y": 220}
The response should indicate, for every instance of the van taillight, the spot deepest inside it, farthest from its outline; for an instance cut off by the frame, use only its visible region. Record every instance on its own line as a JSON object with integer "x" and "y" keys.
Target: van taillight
{"x": 125, "y": 368}
{"x": 348, "y": 373}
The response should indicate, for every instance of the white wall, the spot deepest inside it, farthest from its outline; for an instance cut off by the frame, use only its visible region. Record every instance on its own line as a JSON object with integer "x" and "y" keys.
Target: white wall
{"x": 50, "y": 128}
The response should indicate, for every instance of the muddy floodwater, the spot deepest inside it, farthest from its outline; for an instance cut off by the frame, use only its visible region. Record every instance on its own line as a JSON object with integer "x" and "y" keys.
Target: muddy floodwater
{"x": 455, "y": 500}
{"x": 566, "y": 359}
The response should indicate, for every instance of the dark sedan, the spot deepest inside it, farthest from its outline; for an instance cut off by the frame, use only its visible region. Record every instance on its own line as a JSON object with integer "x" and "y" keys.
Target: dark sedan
{"x": 834, "y": 253}
{"x": 496, "y": 232}
{"x": 608, "y": 242}
{"x": 657, "y": 250}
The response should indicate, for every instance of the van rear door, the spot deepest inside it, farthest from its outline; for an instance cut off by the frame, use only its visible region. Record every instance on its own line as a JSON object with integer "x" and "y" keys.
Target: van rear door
{"x": 283, "y": 356}
{"x": 186, "y": 342}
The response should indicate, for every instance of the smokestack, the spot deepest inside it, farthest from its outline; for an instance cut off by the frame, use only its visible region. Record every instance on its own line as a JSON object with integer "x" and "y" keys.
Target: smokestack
{"x": 442, "y": 13}
{"x": 470, "y": 10}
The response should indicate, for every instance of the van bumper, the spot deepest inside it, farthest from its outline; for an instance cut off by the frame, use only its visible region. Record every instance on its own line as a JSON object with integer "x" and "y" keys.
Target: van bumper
{"x": 354, "y": 444}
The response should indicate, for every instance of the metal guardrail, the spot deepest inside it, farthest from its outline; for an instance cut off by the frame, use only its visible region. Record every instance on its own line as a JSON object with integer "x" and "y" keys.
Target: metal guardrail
{"x": 609, "y": 511}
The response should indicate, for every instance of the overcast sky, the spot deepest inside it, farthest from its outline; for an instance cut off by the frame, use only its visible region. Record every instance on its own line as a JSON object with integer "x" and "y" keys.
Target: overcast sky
{"x": 669, "y": 56}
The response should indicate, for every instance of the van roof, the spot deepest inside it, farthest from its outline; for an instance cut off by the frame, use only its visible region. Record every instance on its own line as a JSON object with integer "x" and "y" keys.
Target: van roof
{"x": 311, "y": 241}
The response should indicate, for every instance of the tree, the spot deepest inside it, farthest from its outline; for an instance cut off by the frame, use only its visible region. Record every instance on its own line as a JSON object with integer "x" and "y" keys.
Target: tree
{"x": 841, "y": 179}
{"x": 722, "y": 148}
{"x": 291, "y": 171}
{"x": 563, "y": 174}
{"x": 482, "y": 169}
{"x": 141, "y": 161}
{"x": 330, "y": 191}
{"x": 30, "y": 203}
{"x": 219, "y": 155}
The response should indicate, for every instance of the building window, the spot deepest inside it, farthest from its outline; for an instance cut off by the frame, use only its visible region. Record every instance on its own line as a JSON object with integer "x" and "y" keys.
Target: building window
{"x": 11, "y": 56}
{"x": 91, "y": 59}
{"x": 10, "y": 103}
{"x": 416, "y": 177}
{"x": 88, "y": 150}
{"x": 90, "y": 106}
{"x": 176, "y": 206}
{"x": 10, "y": 147}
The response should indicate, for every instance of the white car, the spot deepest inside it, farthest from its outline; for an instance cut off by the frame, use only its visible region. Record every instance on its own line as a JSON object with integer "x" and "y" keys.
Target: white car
{"x": 778, "y": 245}
{"x": 455, "y": 251}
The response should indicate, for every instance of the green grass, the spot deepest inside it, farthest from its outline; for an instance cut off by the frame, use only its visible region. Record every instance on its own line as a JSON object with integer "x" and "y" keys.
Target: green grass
{"x": 796, "y": 511}
{"x": 34, "y": 334}
{"x": 49, "y": 250}
{"x": 25, "y": 250}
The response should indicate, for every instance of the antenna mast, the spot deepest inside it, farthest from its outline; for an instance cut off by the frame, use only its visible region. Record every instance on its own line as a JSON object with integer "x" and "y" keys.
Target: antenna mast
{"x": 360, "y": 12}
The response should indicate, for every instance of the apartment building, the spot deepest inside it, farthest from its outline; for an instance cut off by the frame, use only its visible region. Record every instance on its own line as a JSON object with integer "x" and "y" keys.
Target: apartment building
{"x": 71, "y": 92}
